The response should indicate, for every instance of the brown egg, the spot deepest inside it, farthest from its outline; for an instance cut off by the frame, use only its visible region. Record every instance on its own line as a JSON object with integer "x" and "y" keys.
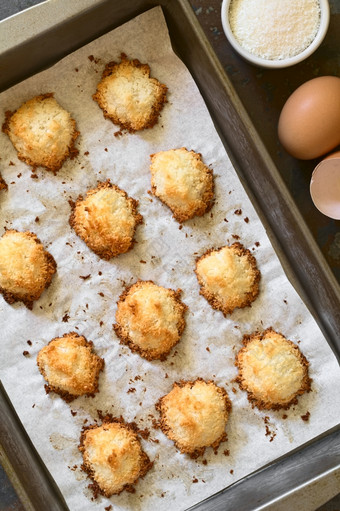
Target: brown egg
{"x": 309, "y": 124}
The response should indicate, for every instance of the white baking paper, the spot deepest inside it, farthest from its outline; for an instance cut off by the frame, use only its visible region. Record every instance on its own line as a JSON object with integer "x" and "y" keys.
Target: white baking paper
{"x": 164, "y": 253}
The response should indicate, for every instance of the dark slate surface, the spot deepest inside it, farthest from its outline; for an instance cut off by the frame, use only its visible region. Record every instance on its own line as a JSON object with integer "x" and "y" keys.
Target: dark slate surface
{"x": 10, "y": 7}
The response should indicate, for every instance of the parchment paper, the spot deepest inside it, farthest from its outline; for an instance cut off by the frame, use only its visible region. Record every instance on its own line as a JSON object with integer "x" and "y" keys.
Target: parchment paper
{"x": 164, "y": 253}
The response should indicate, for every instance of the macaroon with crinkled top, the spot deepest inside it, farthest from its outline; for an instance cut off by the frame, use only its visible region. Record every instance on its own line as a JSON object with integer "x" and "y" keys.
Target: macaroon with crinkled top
{"x": 181, "y": 180}
{"x": 26, "y": 268}
{"x": 106, "y": 220}
{"x": 194, "y": 415}
{"x": 228, "y": 277}
{"x": 113, "y": 456}
{"x": 70, "y": 366}
{"x": 42, "y": 132}
{"x": 150, "y": 319}
{"x": 128, "y": 96}
{"x": 272, "y": 370}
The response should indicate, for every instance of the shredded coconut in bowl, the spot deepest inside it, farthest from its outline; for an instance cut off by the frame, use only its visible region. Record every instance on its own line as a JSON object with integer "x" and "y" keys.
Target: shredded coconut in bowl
{"x": 274, "y": 29}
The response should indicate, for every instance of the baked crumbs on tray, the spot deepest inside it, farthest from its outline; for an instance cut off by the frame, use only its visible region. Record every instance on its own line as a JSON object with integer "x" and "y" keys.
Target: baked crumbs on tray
{"x": 169, "y": 357}
{"x": 3, "y": 184}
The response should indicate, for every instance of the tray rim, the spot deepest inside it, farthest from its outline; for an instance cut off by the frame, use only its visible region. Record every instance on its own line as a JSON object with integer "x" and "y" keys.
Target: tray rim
{"x": 211, "y": 54}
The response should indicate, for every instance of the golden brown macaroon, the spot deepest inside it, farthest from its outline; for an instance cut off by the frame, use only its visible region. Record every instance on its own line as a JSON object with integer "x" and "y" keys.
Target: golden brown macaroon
{"x": 106, "y": 219}
{"x": 3, "y": 184}
{"x": 194, "y": 415}
{"x": 180, "y": 180}
{"x": 42, "y": 132}
{"x": 150, "y": 319}
{"x": 228, "y": 277}
{"x": 272, "y": 370}
{"x": 113, "y": 456}
{"x": 128, "y": 96}
{"x": 70, "y": 366}
{"x": 26, "y": 268}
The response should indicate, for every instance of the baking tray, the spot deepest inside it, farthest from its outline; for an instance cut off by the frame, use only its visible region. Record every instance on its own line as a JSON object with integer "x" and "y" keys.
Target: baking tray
{"x": 61, "y": 27}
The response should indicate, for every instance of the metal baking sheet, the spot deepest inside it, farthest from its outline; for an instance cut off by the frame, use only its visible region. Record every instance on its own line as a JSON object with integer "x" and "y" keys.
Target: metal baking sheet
{"x": 61, "y": 31}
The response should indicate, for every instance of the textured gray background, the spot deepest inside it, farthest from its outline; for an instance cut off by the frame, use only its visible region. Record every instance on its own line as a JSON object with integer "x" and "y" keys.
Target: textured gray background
{"x": 9, "y": 7}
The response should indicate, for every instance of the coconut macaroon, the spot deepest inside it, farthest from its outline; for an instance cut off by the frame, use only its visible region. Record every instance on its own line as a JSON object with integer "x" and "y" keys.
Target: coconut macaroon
{"x": 272, "y": 370}
{"x": 113, "y": 456}
{"x": 150, "y": 319}
{"x": 3, "y": 184}
{"x": 181, "y": 180}
{"x": 228, "y": 277}
{"x": 128, "y": 96}
{"x": 194, "y": 415}
{"x": 70, "y": 366}
{"x": 26, "y": 268}
{"x": 106, "y": 219}
{"x": 42, "y": 132}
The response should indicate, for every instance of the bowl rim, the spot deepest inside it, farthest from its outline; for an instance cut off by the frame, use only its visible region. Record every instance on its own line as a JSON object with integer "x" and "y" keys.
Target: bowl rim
{"x": 277, "y": 64}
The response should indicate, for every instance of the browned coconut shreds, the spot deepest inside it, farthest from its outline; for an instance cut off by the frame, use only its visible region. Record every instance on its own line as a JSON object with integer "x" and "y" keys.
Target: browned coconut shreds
{"x": 3, "y": 184}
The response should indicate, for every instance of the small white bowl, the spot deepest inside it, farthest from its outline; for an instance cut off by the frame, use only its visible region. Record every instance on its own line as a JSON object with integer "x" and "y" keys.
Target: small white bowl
{"x": 278, "y": 63}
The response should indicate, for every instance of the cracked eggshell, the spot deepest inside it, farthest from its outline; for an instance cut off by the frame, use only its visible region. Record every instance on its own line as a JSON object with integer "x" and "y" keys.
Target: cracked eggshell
{"x": 325, "y": 186}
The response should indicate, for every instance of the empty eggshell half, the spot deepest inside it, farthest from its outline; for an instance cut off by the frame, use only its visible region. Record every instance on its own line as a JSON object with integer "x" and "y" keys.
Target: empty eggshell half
{"x": 309, "y": 124}
{"x": 325, "y": 186}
